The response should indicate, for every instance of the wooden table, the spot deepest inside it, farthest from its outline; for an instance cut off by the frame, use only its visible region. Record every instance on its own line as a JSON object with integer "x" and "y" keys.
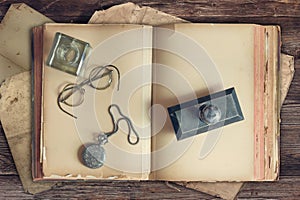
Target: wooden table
{"x": 285, "y": 13}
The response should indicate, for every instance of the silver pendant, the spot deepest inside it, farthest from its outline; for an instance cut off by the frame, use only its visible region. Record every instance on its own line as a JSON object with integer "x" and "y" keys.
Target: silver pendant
{"x": 93, "y": 156}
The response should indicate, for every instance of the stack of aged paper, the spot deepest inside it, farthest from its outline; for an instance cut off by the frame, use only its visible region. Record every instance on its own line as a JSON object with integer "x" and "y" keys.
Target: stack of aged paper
{"x": 128, "y": 13}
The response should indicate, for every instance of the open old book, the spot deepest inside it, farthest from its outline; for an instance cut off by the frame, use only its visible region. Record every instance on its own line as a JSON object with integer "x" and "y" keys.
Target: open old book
{"x": 160, "y": 67}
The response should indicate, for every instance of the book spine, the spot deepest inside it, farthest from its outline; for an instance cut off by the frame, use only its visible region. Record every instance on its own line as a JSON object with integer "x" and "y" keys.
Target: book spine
{"x": 37, "y": 33}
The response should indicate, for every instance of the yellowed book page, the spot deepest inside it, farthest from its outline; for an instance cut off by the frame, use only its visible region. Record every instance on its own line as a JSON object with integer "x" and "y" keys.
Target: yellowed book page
{"x": 224, "y": 154}
{"x": 64, "y": 136}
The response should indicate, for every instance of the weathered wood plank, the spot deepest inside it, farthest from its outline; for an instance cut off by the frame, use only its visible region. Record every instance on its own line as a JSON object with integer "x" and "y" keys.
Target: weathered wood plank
{"x": 10, "y": 188}
{"x": 290, "y": 111}
{"x": 7, "y": 166}
{"x": 290, "y": 150}
{"x": 290, "y": 114}
{"x": 282, "y": 189}
{"x": 78, "y": 10}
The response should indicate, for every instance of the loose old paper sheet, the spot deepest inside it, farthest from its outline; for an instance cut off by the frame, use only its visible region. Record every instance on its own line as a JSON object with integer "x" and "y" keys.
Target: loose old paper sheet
{"x": 15, "y": 42}
{"x": 16, "y": 96}
{"x": 15, "y": 104}
{"x": 15, "y": 112}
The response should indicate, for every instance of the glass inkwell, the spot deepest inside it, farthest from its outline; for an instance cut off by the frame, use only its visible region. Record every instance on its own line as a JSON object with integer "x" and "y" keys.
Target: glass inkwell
{"x": 68, "y": 54}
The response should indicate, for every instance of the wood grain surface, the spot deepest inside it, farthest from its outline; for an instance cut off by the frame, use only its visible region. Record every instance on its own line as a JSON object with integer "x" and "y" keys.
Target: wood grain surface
{"x": 285, "y": 13}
